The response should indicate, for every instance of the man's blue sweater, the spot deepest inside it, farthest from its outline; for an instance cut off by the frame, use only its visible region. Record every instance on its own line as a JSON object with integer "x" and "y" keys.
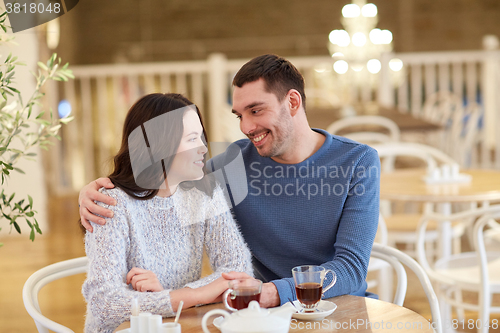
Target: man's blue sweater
{"x": 322, "y": 211}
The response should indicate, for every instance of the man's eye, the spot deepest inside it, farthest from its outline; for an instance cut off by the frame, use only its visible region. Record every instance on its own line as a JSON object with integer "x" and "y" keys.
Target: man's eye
{"x": 255, "y": 111}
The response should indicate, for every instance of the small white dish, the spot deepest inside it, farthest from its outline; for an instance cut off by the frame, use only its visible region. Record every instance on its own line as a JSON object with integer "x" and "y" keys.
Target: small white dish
{"x": 325, "y": 308}
{"x": 461, "y": 178}
{"x": 218, "y": 321}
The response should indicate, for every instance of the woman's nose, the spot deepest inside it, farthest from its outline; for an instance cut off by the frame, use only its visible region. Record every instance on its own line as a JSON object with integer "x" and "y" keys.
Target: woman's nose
{"x": 202, "y": 149}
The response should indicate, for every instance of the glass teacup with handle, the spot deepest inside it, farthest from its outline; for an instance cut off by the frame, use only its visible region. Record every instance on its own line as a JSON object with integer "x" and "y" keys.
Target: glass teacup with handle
{"x": 241, "y": 292}
{"x": 309, "y": 285}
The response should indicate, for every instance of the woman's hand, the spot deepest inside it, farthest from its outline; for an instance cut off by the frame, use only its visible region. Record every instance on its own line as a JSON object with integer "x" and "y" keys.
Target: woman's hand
{"x": 212, "y": 292}
{"x": 88, "y": 208}
{"x": 143, "y": 280}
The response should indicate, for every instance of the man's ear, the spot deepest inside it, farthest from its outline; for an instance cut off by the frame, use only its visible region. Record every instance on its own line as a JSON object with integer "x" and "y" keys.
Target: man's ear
{"x": 294, "y": 101}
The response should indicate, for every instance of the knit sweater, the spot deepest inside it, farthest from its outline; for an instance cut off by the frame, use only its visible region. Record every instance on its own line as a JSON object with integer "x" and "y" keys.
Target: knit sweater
{"x": 322, "y": 211}
{"x": 166, "y": 236}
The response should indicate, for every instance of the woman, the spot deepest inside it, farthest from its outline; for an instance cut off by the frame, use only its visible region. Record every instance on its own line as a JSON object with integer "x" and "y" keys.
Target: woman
{"x": 167, "y": 211}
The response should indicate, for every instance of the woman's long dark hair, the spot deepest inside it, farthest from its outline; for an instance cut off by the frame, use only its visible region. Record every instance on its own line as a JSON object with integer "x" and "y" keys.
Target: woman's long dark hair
{"x": 145, "y": 109}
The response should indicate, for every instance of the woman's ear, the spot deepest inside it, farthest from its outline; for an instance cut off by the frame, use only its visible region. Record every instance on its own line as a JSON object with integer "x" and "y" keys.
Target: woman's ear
{"x": 294, "y": 101}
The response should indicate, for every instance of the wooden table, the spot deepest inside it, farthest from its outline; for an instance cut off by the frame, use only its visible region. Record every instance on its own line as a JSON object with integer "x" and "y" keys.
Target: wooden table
{"x": 408, "y": 185}
{"x": 323, "y": 117}
{"x": 353, "y": 314}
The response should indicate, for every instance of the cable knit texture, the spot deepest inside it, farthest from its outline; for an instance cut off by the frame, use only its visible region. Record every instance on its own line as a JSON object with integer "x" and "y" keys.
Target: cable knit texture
{"x": 166, "y": 236}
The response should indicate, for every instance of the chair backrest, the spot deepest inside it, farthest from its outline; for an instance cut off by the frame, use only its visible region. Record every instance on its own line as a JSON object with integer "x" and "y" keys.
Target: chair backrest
{"x": 397, "y": 258}
{"x": 381, "y": 236}
{"x": 430, "y": 155}
{"x": 42, "y": 277}
{"x": 367, "y": 136}
{"x": 479, "y": 218}
{"x": 441, "y": 107}
{"x": 460, "y": 124}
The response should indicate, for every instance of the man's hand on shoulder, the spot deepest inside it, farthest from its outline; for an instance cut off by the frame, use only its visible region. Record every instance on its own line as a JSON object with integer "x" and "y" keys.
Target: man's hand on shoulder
{"x": 88, "y": 208}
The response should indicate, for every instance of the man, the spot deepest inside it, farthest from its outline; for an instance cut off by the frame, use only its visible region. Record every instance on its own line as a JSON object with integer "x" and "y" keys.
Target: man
{"x": 313, "y": 197}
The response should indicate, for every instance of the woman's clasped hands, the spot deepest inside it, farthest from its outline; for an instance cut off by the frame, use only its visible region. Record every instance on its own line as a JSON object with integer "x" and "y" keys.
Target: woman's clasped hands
{"x": 146, "y": 281}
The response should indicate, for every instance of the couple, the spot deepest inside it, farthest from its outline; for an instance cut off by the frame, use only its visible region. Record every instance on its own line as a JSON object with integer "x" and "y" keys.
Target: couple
{"x": 313, "y": 199}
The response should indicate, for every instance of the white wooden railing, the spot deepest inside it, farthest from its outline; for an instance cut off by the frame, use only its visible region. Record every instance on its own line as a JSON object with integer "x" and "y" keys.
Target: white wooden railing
{"x": 473, "y": 76}
{"x": 100, "y": 96}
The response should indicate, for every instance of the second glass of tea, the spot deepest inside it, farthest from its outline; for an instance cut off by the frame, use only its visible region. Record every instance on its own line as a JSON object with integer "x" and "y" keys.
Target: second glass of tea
{"x": 241, "y": 292}
{"x": 309, "y": 285}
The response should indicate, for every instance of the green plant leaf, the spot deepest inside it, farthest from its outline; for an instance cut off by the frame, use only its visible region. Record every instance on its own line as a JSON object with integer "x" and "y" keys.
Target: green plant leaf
{"x": 66, "y": 120}
{"x": 37, "y": 227}
{"x": 11, "y": 197}
{"x": 30, "y": 214}
{"x": 42, "y": 66}
{"x": 30, "y": 200}
{"x": 19, "y": 207}
{"x": 17, "y": 227}
{"x": 20, "y": 171}
{"x": 32, "y": 235}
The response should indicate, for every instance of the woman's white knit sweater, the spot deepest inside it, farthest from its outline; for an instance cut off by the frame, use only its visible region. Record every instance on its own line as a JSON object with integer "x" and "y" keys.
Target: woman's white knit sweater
{"x": 166, "y": 236}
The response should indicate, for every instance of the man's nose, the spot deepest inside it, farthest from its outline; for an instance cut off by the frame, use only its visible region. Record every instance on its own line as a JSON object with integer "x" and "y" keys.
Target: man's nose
{"x": 247, "y": 125}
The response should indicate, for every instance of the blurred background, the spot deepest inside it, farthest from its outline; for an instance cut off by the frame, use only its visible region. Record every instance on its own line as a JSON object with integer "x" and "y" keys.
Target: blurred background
{"x": 396, "y": 56}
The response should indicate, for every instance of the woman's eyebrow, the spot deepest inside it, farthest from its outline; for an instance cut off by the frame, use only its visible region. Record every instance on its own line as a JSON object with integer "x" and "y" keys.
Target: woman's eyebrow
{"x": 194, "y": 132}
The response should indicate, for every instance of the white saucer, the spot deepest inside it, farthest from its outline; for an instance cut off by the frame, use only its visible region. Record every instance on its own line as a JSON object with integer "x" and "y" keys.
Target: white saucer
{"x": 218, "y": 321}
{"x": 325, "y": 308}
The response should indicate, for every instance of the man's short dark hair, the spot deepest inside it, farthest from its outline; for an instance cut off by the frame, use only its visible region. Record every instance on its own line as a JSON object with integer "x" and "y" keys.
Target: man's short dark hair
{"x": 278, "y": 74}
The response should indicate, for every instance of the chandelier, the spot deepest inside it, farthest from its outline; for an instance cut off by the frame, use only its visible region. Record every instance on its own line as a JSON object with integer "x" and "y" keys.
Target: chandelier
{"x": 356, "y": 50}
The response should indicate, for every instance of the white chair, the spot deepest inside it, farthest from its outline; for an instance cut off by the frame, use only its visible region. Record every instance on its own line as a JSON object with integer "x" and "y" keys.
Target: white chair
{"x": 402, "y": 227}
{"x": 386, "y": 124}
{"x": 396, "y": 258}
{"x": 382, "y": 284}
{"x": 42, "y": 277}
{"x": 476, "y": 271}
{"x": 460, "y": 125}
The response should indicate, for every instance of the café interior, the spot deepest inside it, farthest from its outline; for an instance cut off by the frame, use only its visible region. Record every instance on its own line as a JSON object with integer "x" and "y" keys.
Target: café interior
{"x": 418, "y": 80}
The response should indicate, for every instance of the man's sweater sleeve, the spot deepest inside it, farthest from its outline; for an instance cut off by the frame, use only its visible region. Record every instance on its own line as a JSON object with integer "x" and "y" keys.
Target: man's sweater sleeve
{"x": 356, "y": 232}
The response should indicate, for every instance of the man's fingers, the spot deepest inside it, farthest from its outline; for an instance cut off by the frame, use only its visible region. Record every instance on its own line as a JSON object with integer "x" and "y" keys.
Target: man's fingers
{"x": 104, "y": 182}
{"x": 98, "y": 196}
{"x": 87, "y": 225}
{"x": 89, "y": 217}
{"x": 95, "y": 209}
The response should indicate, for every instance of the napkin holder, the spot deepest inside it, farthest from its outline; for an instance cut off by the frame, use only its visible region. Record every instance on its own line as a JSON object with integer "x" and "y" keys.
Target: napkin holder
{"x": 446, "y": 174}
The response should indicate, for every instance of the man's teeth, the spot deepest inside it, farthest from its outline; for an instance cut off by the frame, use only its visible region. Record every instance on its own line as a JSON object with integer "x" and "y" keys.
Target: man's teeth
{"x": 260, "y": 137}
